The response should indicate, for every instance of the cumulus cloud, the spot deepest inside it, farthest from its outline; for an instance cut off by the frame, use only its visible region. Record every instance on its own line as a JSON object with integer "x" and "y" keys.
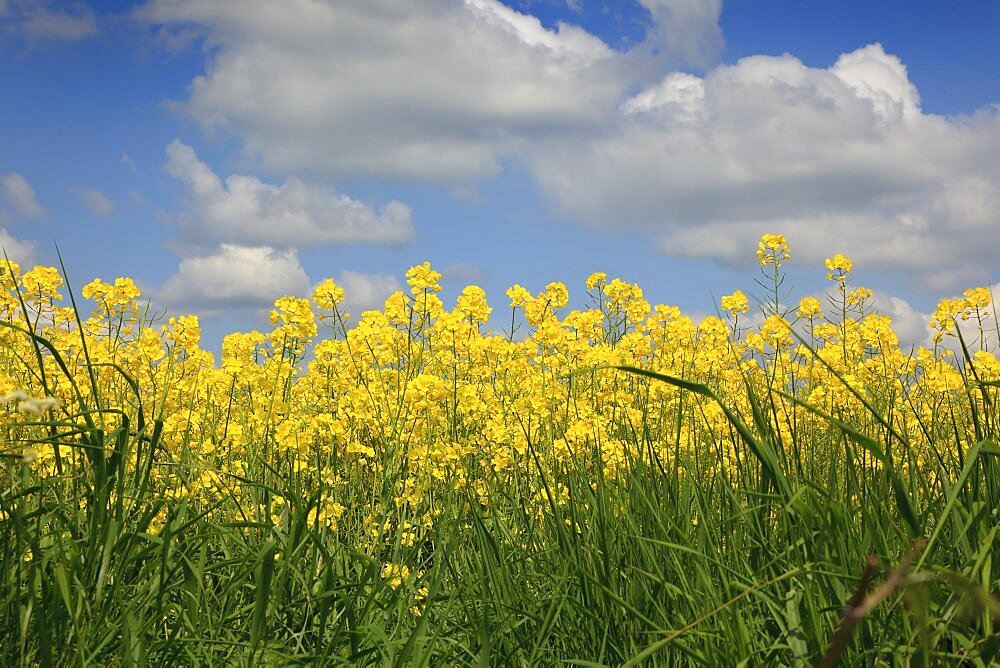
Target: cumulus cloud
{"x": 913, "y": 328}
{"x": 245, "y": 210}
{"x": 21, "y": 252}
{"x": 96, "y": 202}
{"x": 435, "y": 91}
{"x": 234, "y": 277}
{"x": 683, "y": 94}
{"x": 364, "y": 292}
{"x": 910, "y": 325}
{"x": 838, "y": 159}
{"x": 251, "y": 277}
{"x": 18, "y": 193}
{"x": 686, "y": 32}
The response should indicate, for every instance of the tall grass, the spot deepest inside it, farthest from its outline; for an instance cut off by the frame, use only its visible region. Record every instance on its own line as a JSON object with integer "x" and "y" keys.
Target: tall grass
{"x": 786, "y": 533}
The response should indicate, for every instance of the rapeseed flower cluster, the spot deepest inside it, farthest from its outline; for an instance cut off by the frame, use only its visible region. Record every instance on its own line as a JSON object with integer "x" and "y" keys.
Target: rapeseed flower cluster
{"x": 772, "y": 249}
{"x": 422, "y": 405}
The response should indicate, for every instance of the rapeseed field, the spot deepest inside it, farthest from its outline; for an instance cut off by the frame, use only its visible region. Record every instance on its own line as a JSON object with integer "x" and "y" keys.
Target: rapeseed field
{"x": 778, "y": 484}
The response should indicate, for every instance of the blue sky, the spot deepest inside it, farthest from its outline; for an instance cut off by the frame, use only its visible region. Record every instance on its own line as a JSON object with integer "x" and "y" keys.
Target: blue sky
{"x": 223, "y": 154}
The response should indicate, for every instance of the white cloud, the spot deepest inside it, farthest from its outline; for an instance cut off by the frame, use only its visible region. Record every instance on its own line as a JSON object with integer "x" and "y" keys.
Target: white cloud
{"x": 910, "y": 325}
{"x": 686, "y": 31}
{"x": 839, "y": 159}
{"x": 21, "y": 252}
{"x": 435, "y": 91}
{"x": 567, "y": 42}
{"x": 235, "y": 276}
{"x": 96, "y": 202}
{"x": 683, "y": 94}
{"x": 245, "y": 210}
{"x": 38, "y": 19}
{"x": 881, "y": 79}
{"x": 913, "y": 328}
{"x": 252, "y": 277}
{"x": 20, "y": 195}
{"x": 364, "y": 292}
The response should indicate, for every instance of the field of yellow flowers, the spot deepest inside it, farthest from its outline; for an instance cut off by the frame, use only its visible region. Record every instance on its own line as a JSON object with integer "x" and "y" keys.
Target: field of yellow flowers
{"x": 778, "y": 485}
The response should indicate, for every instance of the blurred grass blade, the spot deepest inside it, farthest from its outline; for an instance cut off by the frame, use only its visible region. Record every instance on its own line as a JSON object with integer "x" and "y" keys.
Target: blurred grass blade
{"x": 761, "y": 450}
{"x": 262, "y": 591}
{"x": 902, "y": 498}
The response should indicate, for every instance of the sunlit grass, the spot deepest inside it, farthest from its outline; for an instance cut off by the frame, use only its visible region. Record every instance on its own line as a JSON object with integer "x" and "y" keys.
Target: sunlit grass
{"x": 622, "y": 486}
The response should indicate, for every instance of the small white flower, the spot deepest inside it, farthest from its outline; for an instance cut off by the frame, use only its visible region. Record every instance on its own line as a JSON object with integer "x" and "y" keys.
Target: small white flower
{"x": 38, "y": 406}
{"x": 16, "y": 395}
{"x": 28, "y": 405}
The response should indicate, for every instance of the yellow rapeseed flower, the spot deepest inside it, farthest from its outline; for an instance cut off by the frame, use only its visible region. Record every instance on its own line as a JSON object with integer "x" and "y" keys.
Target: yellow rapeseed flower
{"x": 859, "y": 296}
{"x": 735, "y": 303}
{"x": 9, "y": 271}
{"x": 978, "y": 299}
{"x": 772, "y": 249}
{"x": 328, "y": 294}
{"x": 518, "y": 296}
{"x": 596, "y": 279}
{"x": 41, "y": 282}
{"x": 838, "y": 267}
{"x": 421, "y": 278}
{"x": 809, "y": 307}
{"x": 395, "y": 574}
{"x": 472, "y": 304}
{"x": 556, "y": 294}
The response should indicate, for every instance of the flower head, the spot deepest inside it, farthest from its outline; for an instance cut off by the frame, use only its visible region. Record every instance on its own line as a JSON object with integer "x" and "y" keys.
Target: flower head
{"x": 328, "y": 294}
{"x": 838, "y": 267}
{"x": 978, "y": 299}
{"x": 518, "y": 295}
{"x": 809, "y": 307}
{"x": 421, "y": 278}
{"x": 735, "y": 303}
{"x": 772, "y": 249}
{"x": 596, "y": 279}
{"x": 42, "y": 281}
{"x": 472, "y": 304}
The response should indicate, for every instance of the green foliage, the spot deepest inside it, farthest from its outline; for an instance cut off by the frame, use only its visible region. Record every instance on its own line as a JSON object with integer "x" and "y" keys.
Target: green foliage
{"x": 825, "y": 546}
